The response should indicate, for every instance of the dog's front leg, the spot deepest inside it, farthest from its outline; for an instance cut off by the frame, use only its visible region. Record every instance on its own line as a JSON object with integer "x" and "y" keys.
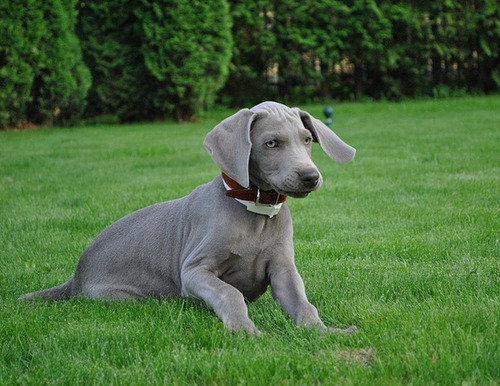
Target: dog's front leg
{"x": 227, "y": 302}
{"x": 288, "y": 290}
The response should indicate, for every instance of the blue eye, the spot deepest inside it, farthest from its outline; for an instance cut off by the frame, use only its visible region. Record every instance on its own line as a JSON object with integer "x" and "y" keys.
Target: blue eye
{"x": 271, "y": 144}
{"x": 308, "y": 140}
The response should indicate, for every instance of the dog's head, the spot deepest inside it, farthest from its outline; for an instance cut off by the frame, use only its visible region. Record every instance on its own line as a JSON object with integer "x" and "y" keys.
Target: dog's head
{"x": 270, "y": 146}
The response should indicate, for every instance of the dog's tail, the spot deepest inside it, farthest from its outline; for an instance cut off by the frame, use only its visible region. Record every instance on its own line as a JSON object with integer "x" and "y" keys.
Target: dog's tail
{"x": 61, "y": 292}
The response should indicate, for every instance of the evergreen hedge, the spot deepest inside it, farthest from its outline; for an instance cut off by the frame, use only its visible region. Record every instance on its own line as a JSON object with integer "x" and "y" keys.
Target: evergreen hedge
{"x": 354, "y": 49}
{"x": 155, "y": 59}
{"x": 187, "y": 47}
{"x": 152, "y": 59}
{"x": 43, "y": 78}
{"x": 111, "y": 37}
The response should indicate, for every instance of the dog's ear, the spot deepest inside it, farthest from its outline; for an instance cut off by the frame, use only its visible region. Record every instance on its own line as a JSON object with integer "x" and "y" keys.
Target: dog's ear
{"x": 332, "y": 145}
{"x": 229, "y": 145}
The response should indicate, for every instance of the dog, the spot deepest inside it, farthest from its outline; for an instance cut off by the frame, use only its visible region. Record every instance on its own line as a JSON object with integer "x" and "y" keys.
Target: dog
{"x": 228, "y": 240}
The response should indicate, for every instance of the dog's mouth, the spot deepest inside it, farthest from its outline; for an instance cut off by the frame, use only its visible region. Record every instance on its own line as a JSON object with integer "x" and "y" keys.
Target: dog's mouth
{"x": 299, "y": 192}
{"x": 294, "y": 194}
{"x": 296, "y": 190}
{"x": 290, "y": 186}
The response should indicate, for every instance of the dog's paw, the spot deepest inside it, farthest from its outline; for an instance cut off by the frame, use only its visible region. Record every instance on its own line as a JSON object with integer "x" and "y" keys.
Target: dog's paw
{"x": 348, "y": 331}
{"x": 247, "y": 327}
{"x": 253, "y": 332}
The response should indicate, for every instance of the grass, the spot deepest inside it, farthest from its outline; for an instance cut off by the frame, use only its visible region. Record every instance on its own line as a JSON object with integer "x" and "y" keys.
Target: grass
{"x": 403, "y": 243}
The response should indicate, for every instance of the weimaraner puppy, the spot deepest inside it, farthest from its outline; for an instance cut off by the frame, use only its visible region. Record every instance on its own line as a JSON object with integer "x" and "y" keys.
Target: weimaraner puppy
{"x": 227, "y": 240}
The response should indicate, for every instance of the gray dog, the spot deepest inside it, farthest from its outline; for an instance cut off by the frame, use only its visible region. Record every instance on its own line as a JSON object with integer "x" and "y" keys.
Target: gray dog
{"x": 227, "y": 240}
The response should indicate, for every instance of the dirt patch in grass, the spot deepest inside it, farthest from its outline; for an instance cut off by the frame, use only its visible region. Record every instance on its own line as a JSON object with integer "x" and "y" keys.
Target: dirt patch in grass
{"x": 361, "y": 356}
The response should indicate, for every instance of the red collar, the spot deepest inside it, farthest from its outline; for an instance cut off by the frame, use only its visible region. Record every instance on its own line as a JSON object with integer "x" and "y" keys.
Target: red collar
{"x": 252, "y": 193}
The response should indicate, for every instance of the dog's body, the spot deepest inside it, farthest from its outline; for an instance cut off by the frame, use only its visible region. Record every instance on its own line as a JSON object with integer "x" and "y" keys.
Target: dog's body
{"x": 213, "y": 247}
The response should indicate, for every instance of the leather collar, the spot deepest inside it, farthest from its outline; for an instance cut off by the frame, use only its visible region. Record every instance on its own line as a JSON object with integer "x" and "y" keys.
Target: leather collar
{"x": 252, "y": 193}
{"x": 267, "y": 203}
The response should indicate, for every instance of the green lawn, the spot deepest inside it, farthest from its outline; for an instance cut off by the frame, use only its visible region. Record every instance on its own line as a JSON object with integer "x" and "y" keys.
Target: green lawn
{"x": 403, "y": 242}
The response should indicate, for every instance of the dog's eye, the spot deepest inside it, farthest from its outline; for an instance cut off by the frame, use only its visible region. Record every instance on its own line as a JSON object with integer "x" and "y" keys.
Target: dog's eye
{"x": 308, "y": 140}
{"x": 272, "y": 143}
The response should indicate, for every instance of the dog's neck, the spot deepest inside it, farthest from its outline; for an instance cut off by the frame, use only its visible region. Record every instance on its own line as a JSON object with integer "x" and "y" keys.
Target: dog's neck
{"x": 267, "y": 203}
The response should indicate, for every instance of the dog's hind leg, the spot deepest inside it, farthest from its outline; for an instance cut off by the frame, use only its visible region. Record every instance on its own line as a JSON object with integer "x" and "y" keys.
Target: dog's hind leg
{"x": 112, "y": 292}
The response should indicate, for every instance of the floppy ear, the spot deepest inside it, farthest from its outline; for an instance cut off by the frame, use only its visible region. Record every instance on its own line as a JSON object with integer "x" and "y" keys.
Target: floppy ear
{"x": 229, "y": 145}
{"x": 332, "y": 145}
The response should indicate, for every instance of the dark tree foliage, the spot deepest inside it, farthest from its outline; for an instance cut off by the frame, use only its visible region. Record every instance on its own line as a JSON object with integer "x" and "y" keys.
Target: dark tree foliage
{"x": 187, "y": 48}
{"x": 250, "y": 75}
{"x": 18, "y": 53}
{"x": 155, "y": 59}
{"x": 355, "y": 49}
{"x": 43, "y": 79}
{"x": 111, "y": 36}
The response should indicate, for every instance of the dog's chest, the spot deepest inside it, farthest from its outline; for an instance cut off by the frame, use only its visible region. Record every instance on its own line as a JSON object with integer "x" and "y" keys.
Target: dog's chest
{"x": 241, "y": 245}
{"x": 246, "y": 273}
{"x": 244, "y": 265}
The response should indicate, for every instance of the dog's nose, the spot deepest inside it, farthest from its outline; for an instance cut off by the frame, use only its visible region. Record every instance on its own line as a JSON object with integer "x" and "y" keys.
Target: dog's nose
{"x": 309, "y": 178}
